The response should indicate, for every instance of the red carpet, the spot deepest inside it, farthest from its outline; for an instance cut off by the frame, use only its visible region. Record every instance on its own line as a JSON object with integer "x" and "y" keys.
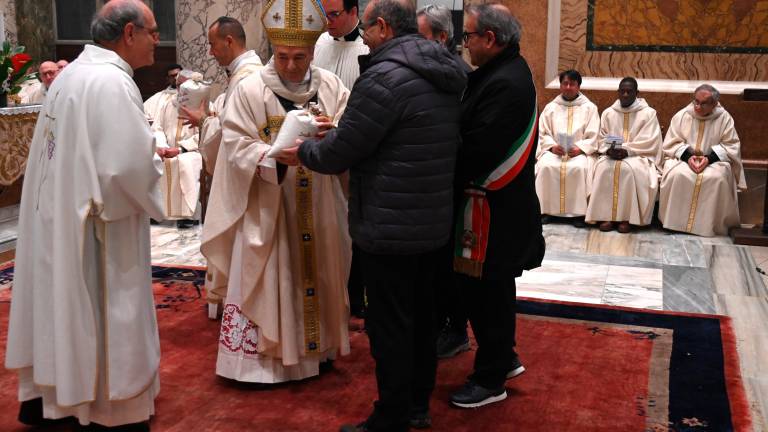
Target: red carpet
{"x": 589, "y": 369}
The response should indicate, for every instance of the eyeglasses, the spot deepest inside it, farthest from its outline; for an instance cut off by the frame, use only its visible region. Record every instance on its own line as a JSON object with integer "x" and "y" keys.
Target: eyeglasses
{"x": 334, "y": 15}
{"x": 704, "y": 104}
{"x": 465, "y": 36}
{"x": 154, "y": 32}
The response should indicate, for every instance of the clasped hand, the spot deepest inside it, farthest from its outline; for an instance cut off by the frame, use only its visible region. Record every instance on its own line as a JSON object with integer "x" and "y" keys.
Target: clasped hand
{"x": 560, "y": 151}
{"x": 290, "y": 156}
{"x": 698, "y": 163}
{"x": 617, "y": 153}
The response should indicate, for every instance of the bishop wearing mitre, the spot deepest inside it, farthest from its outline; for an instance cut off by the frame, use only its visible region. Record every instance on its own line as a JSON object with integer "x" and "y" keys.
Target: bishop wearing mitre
{"x": 278, "y": 234}
{"x": 702, "y": 170}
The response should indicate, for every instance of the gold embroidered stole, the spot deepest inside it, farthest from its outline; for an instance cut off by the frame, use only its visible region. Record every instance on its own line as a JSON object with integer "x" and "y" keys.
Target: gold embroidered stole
{"x": 564, "y": 163}
{"x": 699, "y": 178}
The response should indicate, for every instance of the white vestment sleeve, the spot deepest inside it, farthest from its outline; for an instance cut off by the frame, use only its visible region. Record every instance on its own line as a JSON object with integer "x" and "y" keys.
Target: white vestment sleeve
{"x": 128, "y": 174}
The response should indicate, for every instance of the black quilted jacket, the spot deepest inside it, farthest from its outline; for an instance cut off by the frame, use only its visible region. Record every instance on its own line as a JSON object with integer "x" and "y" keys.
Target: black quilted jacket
{"x": 398, "y": 137}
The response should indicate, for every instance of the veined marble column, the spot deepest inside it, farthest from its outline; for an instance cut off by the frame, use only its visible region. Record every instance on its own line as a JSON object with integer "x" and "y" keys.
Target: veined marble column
{"x": 193, "y": 17}
{"x": 8, "y": 12}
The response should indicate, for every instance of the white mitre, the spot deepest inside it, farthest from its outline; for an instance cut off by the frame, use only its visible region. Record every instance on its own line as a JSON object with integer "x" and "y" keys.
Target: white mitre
{"x": 296, "y": 23}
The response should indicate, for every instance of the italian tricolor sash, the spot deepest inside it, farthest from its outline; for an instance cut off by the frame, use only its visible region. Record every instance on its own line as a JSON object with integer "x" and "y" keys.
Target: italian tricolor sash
{"x": 474, "y": 218}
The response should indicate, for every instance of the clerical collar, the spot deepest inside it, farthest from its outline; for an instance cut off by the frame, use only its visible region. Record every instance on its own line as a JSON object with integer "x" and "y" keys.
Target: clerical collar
{"x": 239, "y": 59}
{"x": 352, "y": 35}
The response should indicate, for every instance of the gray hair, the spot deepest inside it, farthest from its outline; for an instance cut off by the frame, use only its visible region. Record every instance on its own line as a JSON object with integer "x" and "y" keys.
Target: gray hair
{"x": 491, "y": 18}
{"x": 715, "y": 93}
{"x": 439, "y": 19}
{"x": 399, "y": 14}
{"x": 108, "y": 27}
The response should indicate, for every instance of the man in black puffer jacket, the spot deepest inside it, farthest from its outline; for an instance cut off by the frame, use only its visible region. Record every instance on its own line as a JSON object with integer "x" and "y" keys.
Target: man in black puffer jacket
{"x": 398, "y": 138}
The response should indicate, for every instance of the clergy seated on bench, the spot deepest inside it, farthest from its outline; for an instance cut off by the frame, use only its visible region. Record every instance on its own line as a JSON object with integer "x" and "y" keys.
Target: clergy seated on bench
{"x": 568, "y": 129}
{"x": 181, "y": 178}
{"x": 702, "y": 170}
{"x": 626, "y": 177}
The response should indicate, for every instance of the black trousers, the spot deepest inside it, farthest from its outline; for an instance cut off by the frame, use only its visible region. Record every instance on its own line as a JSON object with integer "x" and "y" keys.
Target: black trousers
{"x": 400, "y": 320}
{"x": 356, "y": 287}
{"x": 491, "y": 309}
{"x": 451, "y": 310}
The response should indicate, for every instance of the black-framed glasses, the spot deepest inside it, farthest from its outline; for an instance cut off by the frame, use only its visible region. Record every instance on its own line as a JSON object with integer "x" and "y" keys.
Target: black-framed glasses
{"x": 154, "y": 32}
{"x": 465, "y": 35}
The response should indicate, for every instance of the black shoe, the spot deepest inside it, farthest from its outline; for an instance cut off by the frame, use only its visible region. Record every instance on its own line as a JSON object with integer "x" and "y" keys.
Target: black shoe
{"x": 325, "y": 366}
{"x": 516, "y": 368}
{"x": 473, "y": 395}
{"x": 133, "y": 427}
{"x": 354, "y": 428}
{"x": 579, "y": 222}
{"x": 184, "y": 223}
{"x": 420, "y": 420}
{"x": 451, "y": 343}
{"x": 546, "y": 219}
{"x": 31, "y": 412}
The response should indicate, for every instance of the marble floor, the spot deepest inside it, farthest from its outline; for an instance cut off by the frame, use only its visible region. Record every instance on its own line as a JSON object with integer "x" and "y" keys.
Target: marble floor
{"x": 650, "y": 268}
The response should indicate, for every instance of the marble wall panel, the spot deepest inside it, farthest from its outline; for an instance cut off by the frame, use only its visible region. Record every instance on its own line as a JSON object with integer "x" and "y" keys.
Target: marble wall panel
{"x": 8, "y": 10}
{"x": 749, "y": 116}
{"x": 687, "y": 64}
{"x": 719, "y": 26}
{"x": 193, "y": 17}
{"x": 35, "y": 28}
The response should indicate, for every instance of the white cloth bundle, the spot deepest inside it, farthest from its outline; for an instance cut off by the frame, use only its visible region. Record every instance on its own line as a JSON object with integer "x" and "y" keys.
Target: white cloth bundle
{"x": 193, "y": 92}
{"x": 298, "y": 124}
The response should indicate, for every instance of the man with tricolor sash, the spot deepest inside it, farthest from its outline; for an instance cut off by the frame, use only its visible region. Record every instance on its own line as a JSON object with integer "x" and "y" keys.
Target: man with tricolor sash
{"x": 498, "y": 221}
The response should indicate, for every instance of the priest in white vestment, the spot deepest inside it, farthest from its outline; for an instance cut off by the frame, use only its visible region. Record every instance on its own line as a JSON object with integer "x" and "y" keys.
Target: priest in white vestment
{"x": 626, "y": 176}
{"x": 227, "y": 39}
{"x": 702, "y": 170}
{"x": 568, "y": 129}
{"x": 162, "y": 97}
{"x": 34, "y": 93}
{"x": 278, "y": 234}
{"x": 83, "y": 332}
{"x": 181, "y": 178}
{"x": 338, "y": 48}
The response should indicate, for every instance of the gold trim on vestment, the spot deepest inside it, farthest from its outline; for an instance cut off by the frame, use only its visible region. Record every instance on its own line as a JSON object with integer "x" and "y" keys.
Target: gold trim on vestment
{"x": 563, "y": 171}
{"x": 270, "y": 128}
{"x": 179, "y": 127}
{"x": 699, "y": 137}
{"x": 564, "y": 163}
{"x": 308, "y": 261}
{"x": 101, "y": 235}
{"x": 168, "y": 183}
{"x": 616, "y": 177}
{"x": 694, "y": 202}
{"x": 625, "y": 132}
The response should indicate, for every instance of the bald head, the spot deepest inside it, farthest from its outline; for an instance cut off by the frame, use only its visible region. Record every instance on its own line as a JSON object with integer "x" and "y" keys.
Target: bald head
{"x": 128, "y": 28}
{"x": 47, "y": 72}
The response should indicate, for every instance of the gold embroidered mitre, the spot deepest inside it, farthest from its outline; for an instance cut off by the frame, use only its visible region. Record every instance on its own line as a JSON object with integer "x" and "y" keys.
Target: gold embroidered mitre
{"x": 293, "y": 22}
